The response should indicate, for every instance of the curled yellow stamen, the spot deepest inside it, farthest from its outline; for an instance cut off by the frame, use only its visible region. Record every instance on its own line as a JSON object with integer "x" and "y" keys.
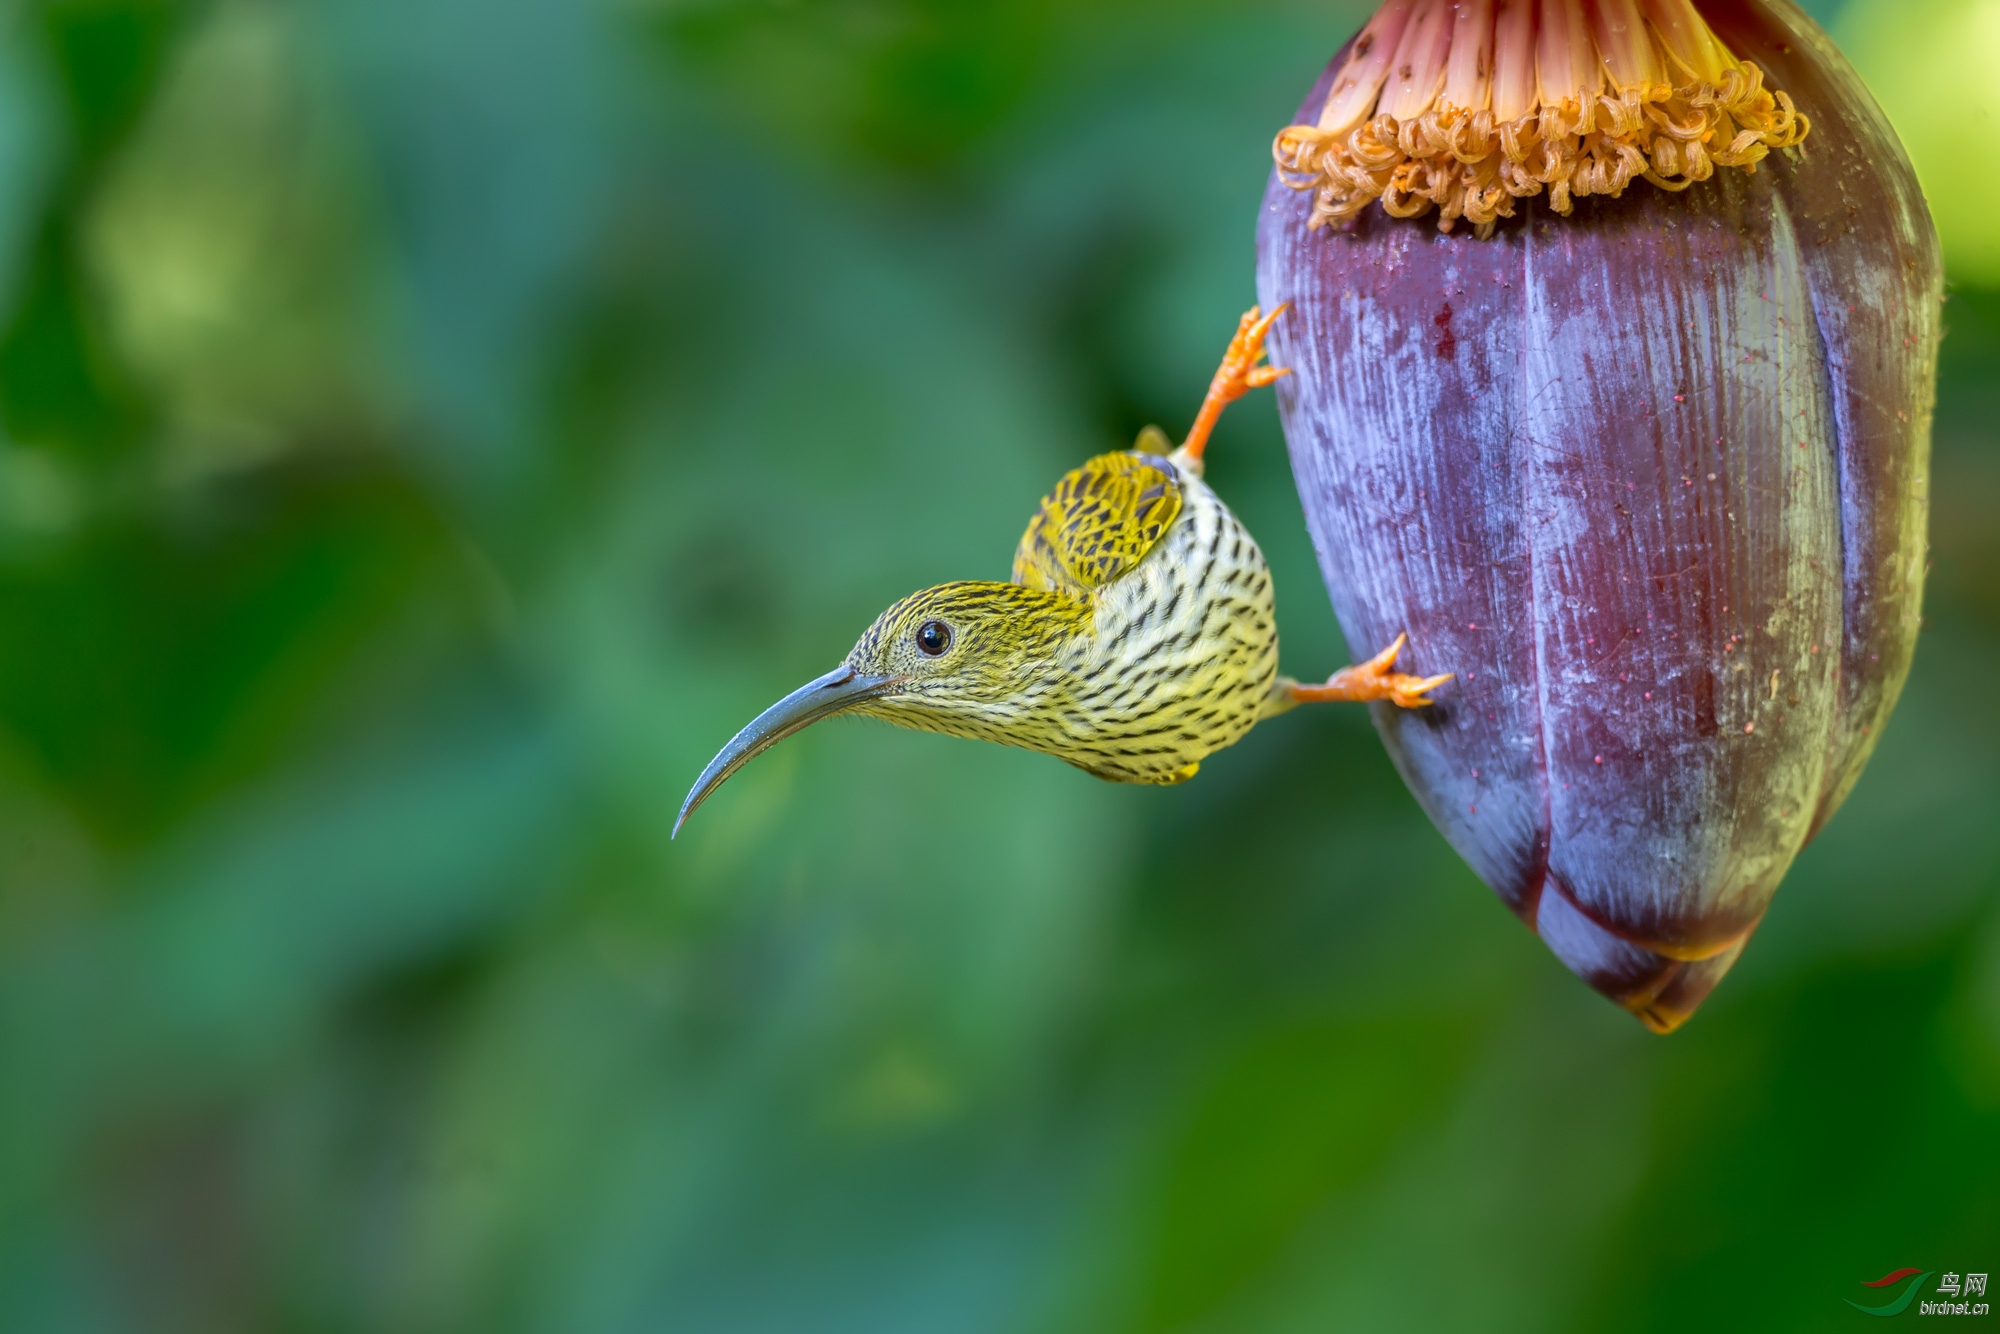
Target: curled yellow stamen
{"x": 1467, "y": 105}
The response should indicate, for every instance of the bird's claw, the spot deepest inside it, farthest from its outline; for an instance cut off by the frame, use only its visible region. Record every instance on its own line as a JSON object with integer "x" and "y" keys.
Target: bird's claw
{"x": 1413, "y": 692}
{"x": 1408, "y": 692}
{"x": 1373, "y": 679}
{"x": 1239, "y": 372}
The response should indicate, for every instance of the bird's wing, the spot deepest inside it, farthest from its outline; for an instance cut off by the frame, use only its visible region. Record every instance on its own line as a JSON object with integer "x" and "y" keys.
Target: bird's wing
{"x": 1100, "y": 520}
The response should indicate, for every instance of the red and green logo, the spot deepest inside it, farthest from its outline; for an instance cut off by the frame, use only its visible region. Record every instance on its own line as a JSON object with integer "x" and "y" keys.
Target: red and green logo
{"x": 1890, "y": 1280}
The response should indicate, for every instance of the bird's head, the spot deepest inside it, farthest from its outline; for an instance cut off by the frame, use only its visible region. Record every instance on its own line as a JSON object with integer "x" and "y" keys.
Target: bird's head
{"x": 972, "y": 659}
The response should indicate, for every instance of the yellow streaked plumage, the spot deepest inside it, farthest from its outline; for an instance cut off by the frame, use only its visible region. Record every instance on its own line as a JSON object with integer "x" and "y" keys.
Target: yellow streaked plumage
{"x": 1101, "y": 519}
{"x": 1137, "y": 638}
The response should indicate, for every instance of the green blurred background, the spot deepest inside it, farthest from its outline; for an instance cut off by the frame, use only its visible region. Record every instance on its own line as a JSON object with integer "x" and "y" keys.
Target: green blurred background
{"x": 428, "y": 430}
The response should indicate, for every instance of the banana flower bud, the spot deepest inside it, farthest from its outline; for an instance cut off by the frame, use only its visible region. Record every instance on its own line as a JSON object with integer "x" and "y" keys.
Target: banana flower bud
{"x": 1640, "y": 453}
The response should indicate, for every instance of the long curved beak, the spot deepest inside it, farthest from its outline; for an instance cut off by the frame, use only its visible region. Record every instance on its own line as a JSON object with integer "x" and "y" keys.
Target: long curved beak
{"x": 841, "y": 688}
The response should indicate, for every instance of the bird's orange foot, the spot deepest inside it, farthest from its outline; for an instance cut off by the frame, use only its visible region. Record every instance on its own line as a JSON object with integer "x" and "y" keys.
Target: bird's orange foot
{"x": 1373, "y": 680}
{"x": 1238, "y": 374}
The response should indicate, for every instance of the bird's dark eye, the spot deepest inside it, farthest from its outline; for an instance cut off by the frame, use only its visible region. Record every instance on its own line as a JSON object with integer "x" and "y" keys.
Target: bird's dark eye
{"x": 933, "y": 637}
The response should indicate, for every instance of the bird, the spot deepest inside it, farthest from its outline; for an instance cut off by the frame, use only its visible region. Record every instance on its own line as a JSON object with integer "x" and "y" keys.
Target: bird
{"x": 1137, "y": 637}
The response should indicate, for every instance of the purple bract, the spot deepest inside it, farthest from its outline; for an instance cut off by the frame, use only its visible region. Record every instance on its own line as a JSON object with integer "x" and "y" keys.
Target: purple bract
{"x": 1650, "y": 478}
